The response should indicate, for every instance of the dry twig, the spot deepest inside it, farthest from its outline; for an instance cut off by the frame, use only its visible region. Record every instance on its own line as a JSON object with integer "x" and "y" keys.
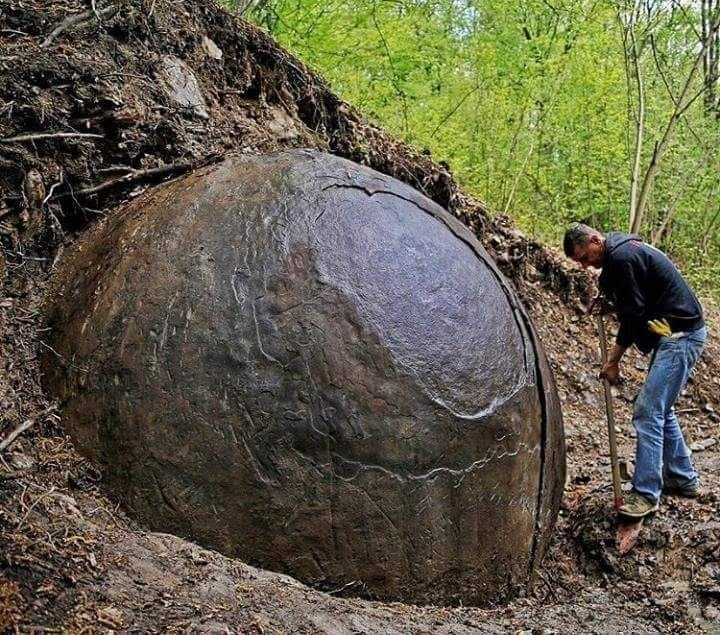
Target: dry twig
{"x": 61, "y": 358}
{"x": 75, "y": 19}
{"x": 37, "y": 500}
{"x": 49, "y": 135}
{"x": 135, "y": 176}
{"x": 26, "y": 425}
{"x": 52, "y": 189}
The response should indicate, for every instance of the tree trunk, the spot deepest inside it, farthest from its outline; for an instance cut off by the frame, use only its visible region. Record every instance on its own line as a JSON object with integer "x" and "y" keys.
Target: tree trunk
{"x": 640, "y": 122}
{"x": 683, "y": 103}
{"x": 241, "y": 6}
{"x": 709, "y": 11}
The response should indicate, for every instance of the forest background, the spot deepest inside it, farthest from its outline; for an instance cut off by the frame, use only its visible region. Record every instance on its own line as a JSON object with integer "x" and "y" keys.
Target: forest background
{"x": 550, "y": 111}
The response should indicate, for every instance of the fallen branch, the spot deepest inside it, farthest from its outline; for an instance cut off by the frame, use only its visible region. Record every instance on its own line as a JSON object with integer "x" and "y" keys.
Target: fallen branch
{"x": 49, "y": 135}
{"x": 342, "y": 588}
{"x": 75, "y": 19}
{"x": 52, "y": 189}
{"x": 61, "y": 358}
{"x": 134, "y": 177}
{"x": 26, "y": 425}
{"x": 37, "y": 500}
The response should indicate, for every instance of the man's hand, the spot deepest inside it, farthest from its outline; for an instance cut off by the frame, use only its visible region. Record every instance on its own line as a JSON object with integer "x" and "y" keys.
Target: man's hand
{"x": 611, "y": 372}
{"x": 611, "y": 368}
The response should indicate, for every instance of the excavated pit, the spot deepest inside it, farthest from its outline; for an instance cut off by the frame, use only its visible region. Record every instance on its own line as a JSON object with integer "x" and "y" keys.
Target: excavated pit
{"x": 309, "y": 365}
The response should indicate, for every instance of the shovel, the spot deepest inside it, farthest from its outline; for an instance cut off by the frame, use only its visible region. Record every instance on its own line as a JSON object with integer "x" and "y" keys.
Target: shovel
{"x": 615, "y": 464}
{"x": 627, "y": 530}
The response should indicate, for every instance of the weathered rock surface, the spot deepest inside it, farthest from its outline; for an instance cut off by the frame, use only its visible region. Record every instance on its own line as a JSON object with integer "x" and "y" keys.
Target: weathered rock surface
{"x": 311, "y": 366}
{"x": 182, "y": 86}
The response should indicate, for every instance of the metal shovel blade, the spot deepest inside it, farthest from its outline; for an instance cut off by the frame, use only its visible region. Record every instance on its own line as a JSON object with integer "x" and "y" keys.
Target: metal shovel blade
{"x": 627, "y": 535}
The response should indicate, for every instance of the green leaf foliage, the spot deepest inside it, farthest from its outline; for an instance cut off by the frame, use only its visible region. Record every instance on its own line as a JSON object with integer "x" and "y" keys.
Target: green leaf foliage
{"x": 532, "y": 104}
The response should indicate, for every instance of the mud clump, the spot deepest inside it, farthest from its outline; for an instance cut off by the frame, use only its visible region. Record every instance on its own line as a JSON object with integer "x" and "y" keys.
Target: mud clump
{"x": 309, "y": 365}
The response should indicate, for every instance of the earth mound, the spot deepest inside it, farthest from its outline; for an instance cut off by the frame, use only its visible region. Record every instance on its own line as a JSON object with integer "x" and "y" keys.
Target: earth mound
{"x": 309, "y": 365}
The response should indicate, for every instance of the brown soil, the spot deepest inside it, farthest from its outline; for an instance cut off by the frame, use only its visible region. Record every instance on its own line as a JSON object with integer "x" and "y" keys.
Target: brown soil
{"x": 69, "y": 557}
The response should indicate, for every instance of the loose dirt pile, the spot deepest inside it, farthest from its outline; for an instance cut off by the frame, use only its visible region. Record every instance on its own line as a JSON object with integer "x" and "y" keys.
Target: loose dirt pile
{"x": 98, "y": 102}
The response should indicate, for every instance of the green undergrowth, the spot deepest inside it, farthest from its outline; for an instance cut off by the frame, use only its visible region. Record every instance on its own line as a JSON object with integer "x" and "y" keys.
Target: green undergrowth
{"x": 530, "y": 104}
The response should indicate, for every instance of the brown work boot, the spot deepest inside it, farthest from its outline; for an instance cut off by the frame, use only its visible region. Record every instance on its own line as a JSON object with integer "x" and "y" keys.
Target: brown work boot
{"x": 687, "y": 490}
{"x": 637, "y": 506}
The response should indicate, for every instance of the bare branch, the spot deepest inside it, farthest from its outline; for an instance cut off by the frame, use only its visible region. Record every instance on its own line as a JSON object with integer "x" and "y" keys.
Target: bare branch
{"x": 682, "y": 105}
{"x": 76, "y": 19}
{"x": 29, "y": 511}
{"x": 455, "y": 108}
{"x": 669, "y": 88}
{"x": 639, "y": 122}
{"x": 395, "y": 82}
{"x": 660, "y": 71}
{"x": 690, "y": 19}
{"x": 10, "y": 439}
{"x": 709, "y": 230}
{"x": 49, "y": 135}
{"x": 670, "y": 212}
{"x": 692, "y": 100}
{"x": 132, "y": 177}
{"x": 241, "y": 6}
{"x": 518, "y": 176}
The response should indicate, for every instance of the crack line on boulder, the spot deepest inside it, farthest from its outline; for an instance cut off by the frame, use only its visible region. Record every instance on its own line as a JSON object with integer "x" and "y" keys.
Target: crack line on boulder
{"x": 259, "y": 339}
{"x": 491, "y": 455}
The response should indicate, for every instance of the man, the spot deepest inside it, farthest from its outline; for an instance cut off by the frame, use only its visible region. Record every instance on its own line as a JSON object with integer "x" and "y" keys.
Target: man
{"x": 658, "y": 313}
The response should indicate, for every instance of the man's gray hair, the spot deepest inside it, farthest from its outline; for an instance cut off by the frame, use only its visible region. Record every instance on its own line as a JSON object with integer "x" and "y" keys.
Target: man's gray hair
{"x": 577, "y": 236}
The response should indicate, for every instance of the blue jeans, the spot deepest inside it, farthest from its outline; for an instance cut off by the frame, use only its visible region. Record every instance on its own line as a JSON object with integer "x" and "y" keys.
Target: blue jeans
{"x": 661, "y": 452}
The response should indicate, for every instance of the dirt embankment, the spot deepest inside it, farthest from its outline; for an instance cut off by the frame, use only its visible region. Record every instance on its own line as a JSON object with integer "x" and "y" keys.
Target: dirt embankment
{"x": 99, "y": 101}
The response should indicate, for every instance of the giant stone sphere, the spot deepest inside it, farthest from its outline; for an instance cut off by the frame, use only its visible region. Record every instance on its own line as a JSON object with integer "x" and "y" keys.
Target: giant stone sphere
{"x": 308, "y": 365}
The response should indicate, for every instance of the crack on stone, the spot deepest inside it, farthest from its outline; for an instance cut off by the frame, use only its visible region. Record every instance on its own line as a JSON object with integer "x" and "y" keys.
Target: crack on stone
{"x": 259, "y": 339}
{"x": 240, "y": 301}
{"x": 395, "y": 529}
{"x": 544, "y": 440}
{"x": 256, "y": 466}
{"x": 494, "y": 406}
{"x": 163, "y": 334}
{"x": 492, "y": 455}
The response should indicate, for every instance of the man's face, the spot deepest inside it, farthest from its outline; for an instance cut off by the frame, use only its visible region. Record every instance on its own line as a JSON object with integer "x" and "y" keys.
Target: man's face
{"x": 591, "y": 254}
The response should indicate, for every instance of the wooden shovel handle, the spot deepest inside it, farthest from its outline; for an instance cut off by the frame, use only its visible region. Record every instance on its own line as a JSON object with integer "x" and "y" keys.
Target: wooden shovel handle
{"x": 614, "y": 463}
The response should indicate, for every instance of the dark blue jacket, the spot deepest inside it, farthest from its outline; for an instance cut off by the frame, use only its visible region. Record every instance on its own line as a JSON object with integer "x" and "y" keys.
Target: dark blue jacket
{"x": 644, "y": 285}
